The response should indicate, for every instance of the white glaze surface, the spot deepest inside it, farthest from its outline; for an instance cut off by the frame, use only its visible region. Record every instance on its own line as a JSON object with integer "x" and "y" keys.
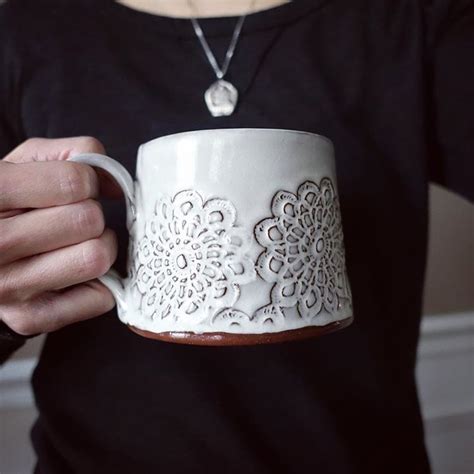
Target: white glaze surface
{"x": 205, "y": 203}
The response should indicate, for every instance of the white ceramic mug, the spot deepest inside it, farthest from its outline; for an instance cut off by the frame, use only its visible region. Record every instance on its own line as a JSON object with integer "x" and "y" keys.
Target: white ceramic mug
{"x": 235, "y": 237}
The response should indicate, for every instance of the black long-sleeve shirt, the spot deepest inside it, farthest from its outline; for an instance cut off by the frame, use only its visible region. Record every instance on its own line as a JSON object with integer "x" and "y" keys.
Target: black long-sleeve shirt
{"x": 391, "y": 84}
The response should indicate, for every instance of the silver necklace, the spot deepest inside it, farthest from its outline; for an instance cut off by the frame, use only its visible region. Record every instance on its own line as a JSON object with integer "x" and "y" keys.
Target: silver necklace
{"x": 221, "y": 97}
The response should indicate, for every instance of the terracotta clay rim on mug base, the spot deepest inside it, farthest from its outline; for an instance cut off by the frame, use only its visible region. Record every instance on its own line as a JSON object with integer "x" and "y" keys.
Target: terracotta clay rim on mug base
{"x": 231, "y": 339}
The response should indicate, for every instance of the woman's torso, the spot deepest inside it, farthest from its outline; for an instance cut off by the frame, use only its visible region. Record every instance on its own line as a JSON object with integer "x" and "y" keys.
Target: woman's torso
{"x": 111, "y": 401}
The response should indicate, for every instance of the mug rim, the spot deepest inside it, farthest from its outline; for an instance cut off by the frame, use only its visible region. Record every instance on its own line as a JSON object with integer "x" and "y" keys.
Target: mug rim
{"x": 242, "y": 129}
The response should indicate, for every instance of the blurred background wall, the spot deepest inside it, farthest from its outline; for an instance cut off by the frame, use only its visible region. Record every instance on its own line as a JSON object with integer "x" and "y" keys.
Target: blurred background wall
{"x": 445, "y": 364}
{"x": 449, "y": 284}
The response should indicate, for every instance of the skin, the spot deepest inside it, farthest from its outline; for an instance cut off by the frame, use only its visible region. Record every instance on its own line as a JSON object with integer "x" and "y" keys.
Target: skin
{"x": 54, "y": 243}
{"x": 203, "y": 8}
{"x": 53, "y": 239}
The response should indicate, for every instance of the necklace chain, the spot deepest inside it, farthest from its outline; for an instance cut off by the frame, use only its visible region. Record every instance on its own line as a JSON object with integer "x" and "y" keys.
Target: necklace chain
{"x": 220, "y": 72}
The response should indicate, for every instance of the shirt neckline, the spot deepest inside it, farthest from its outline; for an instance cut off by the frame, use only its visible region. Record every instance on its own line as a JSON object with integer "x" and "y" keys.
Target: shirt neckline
{"x": 217, "y": 26}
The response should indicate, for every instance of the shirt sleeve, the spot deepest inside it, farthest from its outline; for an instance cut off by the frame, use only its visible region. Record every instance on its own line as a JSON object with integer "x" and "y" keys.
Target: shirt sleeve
{"x": 9, "y": 139}
{"x": 450, "y": 27}
{"x": 11, "y": 129}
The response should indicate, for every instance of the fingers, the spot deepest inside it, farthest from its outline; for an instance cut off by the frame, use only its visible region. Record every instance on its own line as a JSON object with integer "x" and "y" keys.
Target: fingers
{"x": 54, "y": 310}
{"x": 58, "y": 149}
{"x": 36, "y": 185}
{"x": 43, "y": 230}
{"x": 52, "y": 239}
{"x": 42, "y": 150}
{"x": 11, "y": 213}
{"x": 24, "y": 279}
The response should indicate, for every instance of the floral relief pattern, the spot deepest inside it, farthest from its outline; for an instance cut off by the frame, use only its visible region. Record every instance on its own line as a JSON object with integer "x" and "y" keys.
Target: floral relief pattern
{"x": 304, "y": 253}
{"x": 303, "y": 257}
{"x": 192, "y": 258}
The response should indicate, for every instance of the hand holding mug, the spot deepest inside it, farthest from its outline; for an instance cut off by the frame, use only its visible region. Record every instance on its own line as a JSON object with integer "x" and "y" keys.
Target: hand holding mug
{"x": 53, "y": 240}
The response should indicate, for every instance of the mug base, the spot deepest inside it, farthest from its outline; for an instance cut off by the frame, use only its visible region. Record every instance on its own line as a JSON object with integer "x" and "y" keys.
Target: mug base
{"x": 231, "y": 339}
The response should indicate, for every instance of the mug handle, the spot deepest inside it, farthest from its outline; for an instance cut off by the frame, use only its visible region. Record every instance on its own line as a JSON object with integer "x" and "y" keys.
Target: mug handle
{"x": 112, "y": 280}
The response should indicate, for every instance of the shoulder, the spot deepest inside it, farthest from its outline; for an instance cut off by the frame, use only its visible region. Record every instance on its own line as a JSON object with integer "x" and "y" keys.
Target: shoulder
{"x": 34, "y": 10}
{"x": 28, "y": 27}
{"x": 44, "y": 16}
{"x": 22, "y": 13}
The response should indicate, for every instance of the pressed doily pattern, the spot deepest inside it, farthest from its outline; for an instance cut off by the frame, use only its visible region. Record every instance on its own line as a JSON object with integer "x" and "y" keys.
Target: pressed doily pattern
{"x": 191, "y": 259}
{"x": 304, "y": 257}
{"x": 304, "y": 250}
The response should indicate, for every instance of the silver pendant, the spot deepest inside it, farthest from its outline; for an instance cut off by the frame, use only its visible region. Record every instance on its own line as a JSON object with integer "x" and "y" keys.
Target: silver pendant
{"x": 221, "y": 98}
